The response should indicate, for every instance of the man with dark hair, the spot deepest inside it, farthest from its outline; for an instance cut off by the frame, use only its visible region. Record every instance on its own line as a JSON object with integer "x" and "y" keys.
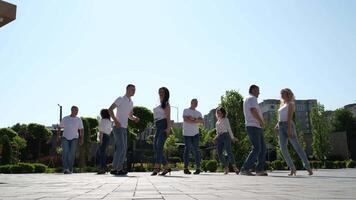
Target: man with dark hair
{"x": 192, "y": 118}
{"x": 70, "y": 124}
{"x": 254, "y": 124}
{"x": 124, "y": 111}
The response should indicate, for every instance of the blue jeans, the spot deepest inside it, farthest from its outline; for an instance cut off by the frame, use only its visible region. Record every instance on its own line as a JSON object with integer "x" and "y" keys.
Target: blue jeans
{"x": 120, "y": 136}
{"x": 160, "y": 139}
{"x": 224, "y": 143}
{"x": 258, "y": 152}
{"x": 283, "y": 142}
{"x": 102, "y": 150}
{"x": 192, "y": 143}
{"x": 69, "y": 148}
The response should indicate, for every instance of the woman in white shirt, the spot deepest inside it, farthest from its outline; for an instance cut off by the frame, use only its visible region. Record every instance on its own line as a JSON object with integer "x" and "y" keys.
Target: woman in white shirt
{"x": 287, "y": 131}
{"x": 105, "y": 128}
{"x": 223, "y": 139}
{"x": 162, "y": 117}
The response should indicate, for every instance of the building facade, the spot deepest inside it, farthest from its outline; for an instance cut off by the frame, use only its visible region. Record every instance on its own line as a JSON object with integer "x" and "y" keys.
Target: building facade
{"x": 210, "y": 119}
{"x": 352, "y": 108}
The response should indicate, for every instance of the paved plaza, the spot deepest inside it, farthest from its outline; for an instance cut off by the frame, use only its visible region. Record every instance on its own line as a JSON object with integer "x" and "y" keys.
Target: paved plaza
{"x": 326, "y": 184}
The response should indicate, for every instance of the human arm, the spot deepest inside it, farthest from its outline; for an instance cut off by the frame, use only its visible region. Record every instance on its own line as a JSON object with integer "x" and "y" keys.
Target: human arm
{"x": 167, "y": 111}
{"x": 112, "y": 115}
{"x": 228, "y": 127}
{"x": 291, "y": 109}
{"x": 133, "y": 117}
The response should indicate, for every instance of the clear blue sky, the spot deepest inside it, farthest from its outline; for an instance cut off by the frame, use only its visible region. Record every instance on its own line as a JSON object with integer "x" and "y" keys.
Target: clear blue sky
{"x": 85, "y": 52}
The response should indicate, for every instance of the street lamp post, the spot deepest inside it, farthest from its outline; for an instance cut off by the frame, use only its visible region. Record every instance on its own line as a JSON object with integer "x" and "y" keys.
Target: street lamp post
{"x": 177, "y": 112}
{"x": 60, "y": 113}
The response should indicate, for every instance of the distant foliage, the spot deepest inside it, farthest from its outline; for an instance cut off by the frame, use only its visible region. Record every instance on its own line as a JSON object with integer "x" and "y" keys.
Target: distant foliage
{"x": 6, "y": 150}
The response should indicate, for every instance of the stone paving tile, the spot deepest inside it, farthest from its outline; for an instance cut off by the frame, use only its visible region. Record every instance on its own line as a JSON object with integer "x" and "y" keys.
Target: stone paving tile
{"x": 326, "y": 184}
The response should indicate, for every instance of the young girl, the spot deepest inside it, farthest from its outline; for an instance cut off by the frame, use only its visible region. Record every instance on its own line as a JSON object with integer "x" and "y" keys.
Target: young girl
{"x": 223, "y": 139}
{"x": 105, "y": 128}
{"x": 286, "y": 129}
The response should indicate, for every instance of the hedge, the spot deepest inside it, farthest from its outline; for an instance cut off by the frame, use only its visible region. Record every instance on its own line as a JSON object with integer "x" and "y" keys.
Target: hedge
{"x": 23, "y": 168}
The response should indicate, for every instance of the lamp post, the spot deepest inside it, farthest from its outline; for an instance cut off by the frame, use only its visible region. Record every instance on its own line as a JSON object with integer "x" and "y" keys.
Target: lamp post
{"x": 177, "y": 112}
{"x": 60, "y": 113}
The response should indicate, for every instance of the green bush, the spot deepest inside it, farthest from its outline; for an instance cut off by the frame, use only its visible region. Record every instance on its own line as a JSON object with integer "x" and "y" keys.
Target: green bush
{"x": 203, "y": 165}
{"x": 269, "y": 165}
{"x": 139, "y": 168}
{"x": 328, "y": 165}
{"x": 212, "y": 165}
{"x": 6, "y": 150}
{"x": 39, "y": 168}
{"x": 22, "y": 168}
{"x": 316, "y": 164}
{"x": 279, "y": 165}
{"x": 351, "y": 164}
{"x": 9, "y": 132}
{"x": 5, "y": 169}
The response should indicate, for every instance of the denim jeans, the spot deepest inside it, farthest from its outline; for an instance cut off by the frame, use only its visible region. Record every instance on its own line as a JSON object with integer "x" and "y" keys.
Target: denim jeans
{"x": 68, "y": 155}
{"x": 120, "y": 136}
{"x": 224, "y": 143}
{"x": 102, "y": 150}
{"x": 192, "y": 143}
{"x": 283, "y": 142}
{"x": 160, "y": 139}
{"x": 258, "y": 152}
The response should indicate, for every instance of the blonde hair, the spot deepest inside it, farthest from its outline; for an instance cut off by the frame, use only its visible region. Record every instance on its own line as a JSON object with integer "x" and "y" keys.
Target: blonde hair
{"x": 290, "y": 95}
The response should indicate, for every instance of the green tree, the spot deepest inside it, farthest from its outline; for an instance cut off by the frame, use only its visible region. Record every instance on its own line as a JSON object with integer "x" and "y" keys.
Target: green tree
{"x": 6, "y": 150}
{"x": 170, "y": 147}
{"x": 94, "y": 128}
{"x": 146, "y": 118}
{"x": 9, "y": 132}
{"x": 20, "y": 129}
{"x": 40, "y": 134}
{"x": 321, "y": 129}
{"x": 232, "y": 101}
{"x": 84, "y": 149}
{"x": 343, "y": 120}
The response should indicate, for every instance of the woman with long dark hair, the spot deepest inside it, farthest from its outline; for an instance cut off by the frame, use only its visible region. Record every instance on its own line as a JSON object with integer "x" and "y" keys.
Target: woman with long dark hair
{"x": 162, "y": 117}
{"x": 287, "y": 132}
{"x": 105, "y": 128}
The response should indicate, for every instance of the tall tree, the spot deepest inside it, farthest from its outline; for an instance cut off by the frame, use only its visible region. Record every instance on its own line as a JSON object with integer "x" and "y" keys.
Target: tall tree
{"x": 40, "y": 134}
{"x": 321, "y": 129}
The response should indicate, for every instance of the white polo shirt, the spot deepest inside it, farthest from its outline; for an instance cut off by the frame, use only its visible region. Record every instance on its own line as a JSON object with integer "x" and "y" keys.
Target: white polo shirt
{"x": 190, "y": 129}
{"x": 105, "y": 126}
{"x": 124, "y": 108}
{"x": 250, "y": 120}
{"x": 71, "y": 126}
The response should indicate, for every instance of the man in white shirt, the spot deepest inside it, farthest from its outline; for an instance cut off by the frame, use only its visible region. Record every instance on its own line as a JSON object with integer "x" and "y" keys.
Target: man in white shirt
{"x": 71, "y": 125}
{"x": 254, "y": 124}
{"x": 192, "y": 118}
{"x": 124, "y": 111}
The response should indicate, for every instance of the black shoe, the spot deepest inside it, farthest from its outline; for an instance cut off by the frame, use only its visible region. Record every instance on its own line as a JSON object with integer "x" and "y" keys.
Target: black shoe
{"x": 197, "y": 172}
{"x": 102, "y": 171}
{"x": 246, "y": 173}
{"x": 165, "y": 172}
{"x": 155, "y": 172}
{"x": 122, "y": 173}
{"x": 186, "y": 171}
{"x": 114, "y": 172}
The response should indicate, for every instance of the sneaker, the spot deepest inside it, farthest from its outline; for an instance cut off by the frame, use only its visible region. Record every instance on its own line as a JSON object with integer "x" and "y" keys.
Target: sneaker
{"x": 246, "y": 173}
{"x": 66, "y": 171}
{"x": 186, "y": 171}
{"x": 197, "y": 172}
{"x": 113, "y": 172}
{"x": 263, "y": 173}
{"x": 122, "y": 173}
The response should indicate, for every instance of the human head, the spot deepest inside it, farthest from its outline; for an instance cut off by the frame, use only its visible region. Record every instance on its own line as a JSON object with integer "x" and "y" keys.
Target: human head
{"x": 104, "y": 113}
{"x": 163, "y": 96}
{"x": 254, "y": 90}
{"x": 194, "y": 103}
{"x": 220, "y": 113}
{"x": 130, "y": 90}
{"x": 287, "y": 95}
{"x": 74, "y": 111}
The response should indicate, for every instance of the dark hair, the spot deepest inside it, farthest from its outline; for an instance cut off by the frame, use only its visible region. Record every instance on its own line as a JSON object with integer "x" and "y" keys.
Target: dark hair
{"x": 129, "y": 85}
{"x": 105, "y": 114}
{"x": 165, "y": 99}
{"x": 252, "y": 87}
{"x": 222, "y": 110}
{"x": 74, "y": 107}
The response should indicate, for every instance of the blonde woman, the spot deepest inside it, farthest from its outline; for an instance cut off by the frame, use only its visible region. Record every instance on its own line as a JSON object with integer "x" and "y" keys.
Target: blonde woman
{"x": 287, "y": 131}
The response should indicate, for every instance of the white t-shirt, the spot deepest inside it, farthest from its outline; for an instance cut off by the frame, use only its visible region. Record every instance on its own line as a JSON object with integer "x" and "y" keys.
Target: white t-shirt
{"x": 123, "y": 110}
{"x": 283, "y": 113}
{"x": 70, "y": 126}
{"x": 105, "y": 126}
{"x": 190, "y": 129}
{"x": 158, "y": 113}
{"x": 250, "y": 120}
{"x": 223, "y": 126}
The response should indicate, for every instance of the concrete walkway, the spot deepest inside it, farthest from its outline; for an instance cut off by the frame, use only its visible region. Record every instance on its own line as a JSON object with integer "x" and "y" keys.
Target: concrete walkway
{"x": 326, "y": 184}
